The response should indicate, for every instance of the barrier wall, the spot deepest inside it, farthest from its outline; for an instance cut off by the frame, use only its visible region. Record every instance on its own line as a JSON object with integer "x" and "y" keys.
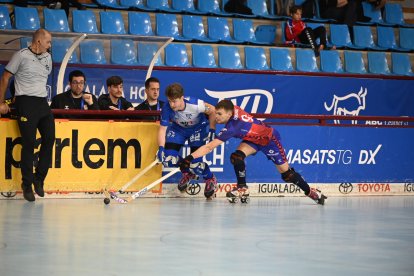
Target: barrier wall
{"x": 89, "y": 156}
{"x": 340, "y": 160}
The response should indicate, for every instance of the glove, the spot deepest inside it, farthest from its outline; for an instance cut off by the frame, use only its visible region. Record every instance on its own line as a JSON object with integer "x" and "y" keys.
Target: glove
{"x": 185, "y": 163}
{"x": 160, "y": 154}
{"x": 211, "y": 135}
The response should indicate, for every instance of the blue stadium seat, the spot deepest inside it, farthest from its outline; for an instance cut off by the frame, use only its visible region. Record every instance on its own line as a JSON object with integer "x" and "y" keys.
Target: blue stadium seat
{"x": 113, "y": 4}
{"x": 354, "y": 62}
{"x": 394, "y": 15}
{"x": 55, "y": 20}
{"x": 185, "y": 6}
{"x": 407, "y": 38}
{"x": 386, "y": 39}
{"x": 218, "y": 29}
{"x": 340, "y": 36}
{"x": 259, "y": 8}
{"x": 137, "y": 4}
{"x": 255, "y": 58}
{"x": 146, "y": 52}
{"x": 306, "y": 61}
{"x": 193, "y": 28}
{"x": 266, "y": 33}
{"x": 377, "y": 63}
{"x": 25, "y": 42}
{"x": 59, "y": 48}
{"x": 140, "y": 24}
{"x": 92, "y": 52}
{"x": 229, "y": 57}
{"x": 167, "y": 25}
{"x": 176, "y": 55}
{"x": 123, "y": 52}
{"x": 331, "y": 61}
{"x": 203, "y": 56}
{"x": 4, "y": 18}
{"x": 160, "y": 5}
{"x": 363, "y": 38}
{"x": 112, "y": 22}
{"x": 243, "y": 31}
{"x": 401, "y": 64}
{"x": 211, "y": 7}
{"x": 26, "y": 18}
{"x": 280, "y": 59}
{"x": 84, "y": 21}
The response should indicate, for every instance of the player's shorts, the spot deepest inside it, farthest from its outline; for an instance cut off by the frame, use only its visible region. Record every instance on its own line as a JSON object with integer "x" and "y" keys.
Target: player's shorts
{"x": 274, "y": 150}
{"x": 195, "y": 136}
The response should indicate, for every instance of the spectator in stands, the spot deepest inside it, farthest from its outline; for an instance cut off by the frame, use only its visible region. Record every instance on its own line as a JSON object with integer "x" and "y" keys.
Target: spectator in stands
{"x": 114, "y": 99}
{"x": 344, "y": 11}
{"x": 296, "y": 31}
{"x": 152, "y": 90}
{"x": 76, "y": 97}
{"x": 237, "y": 6}
{"x": 378, "y": 4}
{"x": 51, "y": 4}
{"x": 31, "y": 67}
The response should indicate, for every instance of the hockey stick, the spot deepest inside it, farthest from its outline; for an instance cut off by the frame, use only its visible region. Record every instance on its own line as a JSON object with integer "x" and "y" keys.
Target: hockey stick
{"x": 143, "y": 190}
{"x": 132, "y": 181}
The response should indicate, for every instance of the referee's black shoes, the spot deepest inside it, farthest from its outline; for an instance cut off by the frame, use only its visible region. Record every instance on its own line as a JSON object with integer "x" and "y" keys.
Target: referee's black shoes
{"x": 38, "y": 187}
{"x": 28, "y": 193}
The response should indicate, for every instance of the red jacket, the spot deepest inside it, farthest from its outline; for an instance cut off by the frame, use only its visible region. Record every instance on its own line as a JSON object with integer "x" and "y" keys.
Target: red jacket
{"x": 293, "y": 29}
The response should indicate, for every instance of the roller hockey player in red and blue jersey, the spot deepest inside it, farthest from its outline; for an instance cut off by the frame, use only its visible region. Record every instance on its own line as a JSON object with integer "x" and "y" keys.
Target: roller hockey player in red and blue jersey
{"x": 185, "y": 119}
{"x": 256, "y": 136}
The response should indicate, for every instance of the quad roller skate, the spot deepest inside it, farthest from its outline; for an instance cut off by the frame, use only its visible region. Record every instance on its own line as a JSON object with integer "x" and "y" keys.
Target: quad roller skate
{"x": 185, "y": 179}
{"x": 238, "y": 194}
{"x": 317, "y": 196}
{"x": 210, "y": 188}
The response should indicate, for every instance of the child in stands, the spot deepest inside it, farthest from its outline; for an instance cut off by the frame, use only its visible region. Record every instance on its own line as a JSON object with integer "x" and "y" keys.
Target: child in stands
{"x": 296, "y": 31}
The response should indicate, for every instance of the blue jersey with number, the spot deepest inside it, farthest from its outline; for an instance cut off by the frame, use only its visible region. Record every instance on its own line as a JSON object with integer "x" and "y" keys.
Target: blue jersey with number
{"x": 191, "y": 117}
{"x": 243, "y": 126}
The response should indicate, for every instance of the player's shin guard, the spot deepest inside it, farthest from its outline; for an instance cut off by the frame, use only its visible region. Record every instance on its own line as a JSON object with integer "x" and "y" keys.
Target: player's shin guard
{"x": 291, "y": 176}
{"x": 237, "y": 159}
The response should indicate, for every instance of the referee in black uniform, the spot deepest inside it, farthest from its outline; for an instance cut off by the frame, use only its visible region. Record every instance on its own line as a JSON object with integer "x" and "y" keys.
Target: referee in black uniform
{"x": 31, "y": 67}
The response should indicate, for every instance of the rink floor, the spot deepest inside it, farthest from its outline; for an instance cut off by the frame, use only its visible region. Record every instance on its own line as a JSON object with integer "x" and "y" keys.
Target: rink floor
{"x": 269, "y": 236}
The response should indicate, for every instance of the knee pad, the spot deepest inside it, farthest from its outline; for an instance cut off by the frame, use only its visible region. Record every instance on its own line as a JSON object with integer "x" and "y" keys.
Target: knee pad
{"x": 198, "y": 168}
{"x": 237, "y": 157}
{"x": 171, "y": 158}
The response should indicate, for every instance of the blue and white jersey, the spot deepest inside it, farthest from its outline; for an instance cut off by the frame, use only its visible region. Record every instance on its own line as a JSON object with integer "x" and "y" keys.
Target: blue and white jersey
{"x": 192, "y": 116}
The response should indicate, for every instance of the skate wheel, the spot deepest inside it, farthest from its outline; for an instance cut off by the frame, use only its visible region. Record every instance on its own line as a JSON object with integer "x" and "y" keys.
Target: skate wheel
{"x": 233, "y": 199}
{"x": 245, "y": 200}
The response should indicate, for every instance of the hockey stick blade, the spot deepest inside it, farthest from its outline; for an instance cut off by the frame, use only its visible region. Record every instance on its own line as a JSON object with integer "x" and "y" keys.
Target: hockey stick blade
{"x": 153, "y": 184}
{"x": 133, "y": 180}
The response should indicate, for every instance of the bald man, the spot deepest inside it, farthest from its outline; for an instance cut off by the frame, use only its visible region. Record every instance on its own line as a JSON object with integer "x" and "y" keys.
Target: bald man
{"x": 31, "y": 67}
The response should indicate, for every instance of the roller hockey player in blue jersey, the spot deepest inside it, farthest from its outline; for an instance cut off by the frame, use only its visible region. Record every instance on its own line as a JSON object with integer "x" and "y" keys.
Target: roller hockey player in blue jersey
{"x": 186, "y": 119}
{"x": 256, "y": 136}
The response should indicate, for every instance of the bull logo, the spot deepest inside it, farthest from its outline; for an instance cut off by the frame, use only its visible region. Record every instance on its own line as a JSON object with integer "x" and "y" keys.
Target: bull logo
{"x": 256, "y": 95}
{"x": 348, "y": 105}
